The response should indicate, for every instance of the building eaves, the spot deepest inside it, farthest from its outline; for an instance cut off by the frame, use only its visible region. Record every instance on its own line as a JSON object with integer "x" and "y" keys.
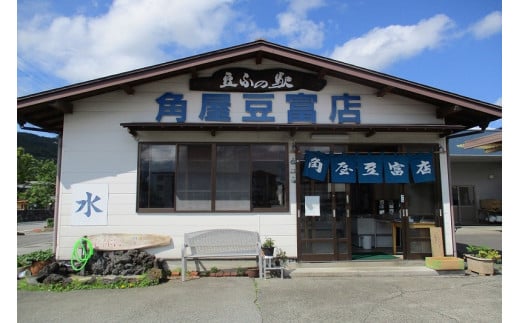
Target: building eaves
{"x": 46, "y": 109}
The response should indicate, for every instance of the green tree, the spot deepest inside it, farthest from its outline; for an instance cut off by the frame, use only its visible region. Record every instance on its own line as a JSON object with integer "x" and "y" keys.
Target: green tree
{"x": 26, "y": 166}
{"x": 38, "y": 177}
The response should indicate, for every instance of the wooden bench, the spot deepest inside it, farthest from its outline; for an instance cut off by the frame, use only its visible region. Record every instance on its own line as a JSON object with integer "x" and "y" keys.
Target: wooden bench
{"x": 221, "y": 243}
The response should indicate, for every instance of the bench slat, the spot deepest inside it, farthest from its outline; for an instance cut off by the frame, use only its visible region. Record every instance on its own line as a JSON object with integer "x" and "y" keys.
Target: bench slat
{"x": 220, "y": 243}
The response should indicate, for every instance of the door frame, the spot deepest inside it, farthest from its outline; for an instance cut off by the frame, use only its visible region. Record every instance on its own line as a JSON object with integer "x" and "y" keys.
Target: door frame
{"x": 334, "y": 239}
{"x": 407, "y": 237}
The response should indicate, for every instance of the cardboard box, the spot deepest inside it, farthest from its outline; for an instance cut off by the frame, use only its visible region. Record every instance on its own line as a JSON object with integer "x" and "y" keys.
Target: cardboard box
{"x": 491, "y": 205}
{"x": 444, "y": 263}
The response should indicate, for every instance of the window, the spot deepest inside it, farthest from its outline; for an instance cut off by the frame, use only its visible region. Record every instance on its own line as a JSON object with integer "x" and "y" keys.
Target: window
{"x": 156, "y": 176}
{"x": 463, "y": 195}
{"x": 212, "y": 177}
{"x": 194, "y": 178}
{"x": 269, "y": 180}
{"x": 233, "y": 188}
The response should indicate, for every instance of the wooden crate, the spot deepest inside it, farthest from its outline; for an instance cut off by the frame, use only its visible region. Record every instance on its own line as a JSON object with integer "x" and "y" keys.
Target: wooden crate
{"x": 444, "y": 263}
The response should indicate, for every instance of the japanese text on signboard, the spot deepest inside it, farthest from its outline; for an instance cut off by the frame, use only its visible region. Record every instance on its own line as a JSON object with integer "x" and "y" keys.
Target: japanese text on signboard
{"x": 258, "y": 107}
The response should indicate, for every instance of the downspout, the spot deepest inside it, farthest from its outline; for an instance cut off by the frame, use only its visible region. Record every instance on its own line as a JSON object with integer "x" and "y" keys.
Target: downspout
{"x": 452, "y": 213}
{"x": 57, "y": 197}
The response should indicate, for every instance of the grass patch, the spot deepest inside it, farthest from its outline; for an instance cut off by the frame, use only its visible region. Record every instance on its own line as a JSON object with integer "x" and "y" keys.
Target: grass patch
{"x": 92, "y": 283}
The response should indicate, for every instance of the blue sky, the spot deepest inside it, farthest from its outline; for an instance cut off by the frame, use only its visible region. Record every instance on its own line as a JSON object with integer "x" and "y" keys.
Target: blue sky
{"x": 452, "y": 45}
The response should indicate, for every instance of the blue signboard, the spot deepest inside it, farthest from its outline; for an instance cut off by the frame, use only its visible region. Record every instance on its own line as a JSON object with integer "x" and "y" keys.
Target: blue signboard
{"x": 396, "y": 168}
{"x": 370, "y": 168}
{"x": 343, "y": 168}
{"x": 316, "y": 165}
{"x": 421, "y": 167}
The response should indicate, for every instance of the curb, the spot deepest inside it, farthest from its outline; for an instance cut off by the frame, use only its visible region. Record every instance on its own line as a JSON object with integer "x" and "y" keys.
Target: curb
{"x": 363, "y": 272}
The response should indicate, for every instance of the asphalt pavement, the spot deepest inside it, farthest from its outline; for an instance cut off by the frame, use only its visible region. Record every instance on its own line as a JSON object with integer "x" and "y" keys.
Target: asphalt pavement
{"x": 488, "y": 236}
{"x": 241, "y": 299}
{"x": 33, "y": 236}
{"x": 354, "y": 298}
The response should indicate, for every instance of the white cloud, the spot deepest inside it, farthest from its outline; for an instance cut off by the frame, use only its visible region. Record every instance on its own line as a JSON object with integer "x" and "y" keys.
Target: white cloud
{"x": 381, "y": 47}
{"x": 129, "y": 36}
{"x": 296, "y": 27}
{"x": 489, "y": 25}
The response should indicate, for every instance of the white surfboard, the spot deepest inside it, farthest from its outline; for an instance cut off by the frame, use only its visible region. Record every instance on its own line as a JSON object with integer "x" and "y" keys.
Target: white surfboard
{"x": 127, "y": 241}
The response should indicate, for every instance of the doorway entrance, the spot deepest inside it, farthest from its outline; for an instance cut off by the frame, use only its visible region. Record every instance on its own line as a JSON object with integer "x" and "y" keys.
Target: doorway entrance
{"x": 324, "y": 224}
{"x": 348, "y": 221}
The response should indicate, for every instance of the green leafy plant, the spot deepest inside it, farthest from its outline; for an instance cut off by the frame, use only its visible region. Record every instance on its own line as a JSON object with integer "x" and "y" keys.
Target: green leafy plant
{"x": 483, "y": 252}
{"x": 39, "y": 176}
{"x": 213, "y": 270}
{"x": 268, "y": 243}
{"x": 241, "y": 271}
{"x": 97, "y": 283}
{"x": 281, "y": 254}
{"x": 49, "y": 223}
{"x": 281, "y": 258}
{"x": 40, "y": 255}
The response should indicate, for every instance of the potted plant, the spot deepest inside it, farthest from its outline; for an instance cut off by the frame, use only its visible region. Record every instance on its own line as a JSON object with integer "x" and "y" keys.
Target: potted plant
{"x": 193, "y": 274}
{"x": 481, "y": 260}
{"x": 252, "y": 272}
{"x": 241, "y": 271}
{"x": 281, "y": 258}
{"x": 175, "y": 273}
{"x": 268, "y": 247}
{"x": 213, "y": 271}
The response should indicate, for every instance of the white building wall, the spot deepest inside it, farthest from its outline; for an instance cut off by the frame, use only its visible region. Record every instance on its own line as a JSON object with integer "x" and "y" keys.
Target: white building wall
{"x": 98, "y": 150}
{"x": 485, "y": 176}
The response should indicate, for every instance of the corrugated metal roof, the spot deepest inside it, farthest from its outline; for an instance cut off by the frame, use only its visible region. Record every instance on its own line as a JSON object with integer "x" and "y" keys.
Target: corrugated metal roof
{"x": 456, "y": 144}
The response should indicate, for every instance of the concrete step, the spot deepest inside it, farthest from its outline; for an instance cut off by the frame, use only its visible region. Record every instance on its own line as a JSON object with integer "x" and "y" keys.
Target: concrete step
{"x": 365, "y": 269}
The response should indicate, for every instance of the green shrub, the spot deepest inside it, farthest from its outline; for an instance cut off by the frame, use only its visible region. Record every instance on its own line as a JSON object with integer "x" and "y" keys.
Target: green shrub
{"x": 483, "y": 252}
{"x": 268, "y": 243}
{"x": 40, "y": 255}
{"x": 97, "y": 283}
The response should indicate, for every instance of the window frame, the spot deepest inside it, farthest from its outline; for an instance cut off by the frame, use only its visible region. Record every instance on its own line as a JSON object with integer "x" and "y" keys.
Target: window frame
{"x": 212, "y": 210}
{"x": 138, "y": 179}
